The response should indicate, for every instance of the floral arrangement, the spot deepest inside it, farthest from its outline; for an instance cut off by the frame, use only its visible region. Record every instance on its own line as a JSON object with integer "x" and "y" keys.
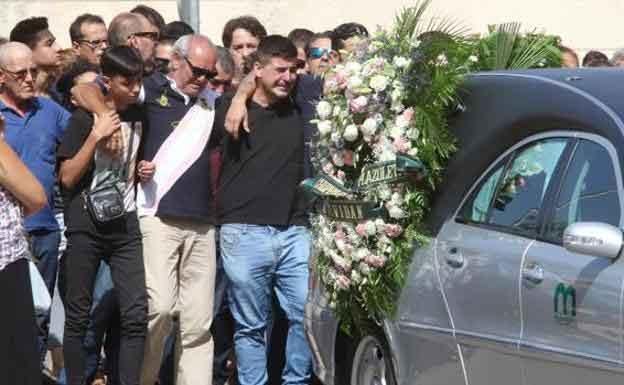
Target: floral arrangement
{"x": 382, "y": 145}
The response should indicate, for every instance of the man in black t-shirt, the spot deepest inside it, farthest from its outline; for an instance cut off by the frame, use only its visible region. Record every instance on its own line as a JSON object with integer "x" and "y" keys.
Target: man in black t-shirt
{"x": 86, "y": 166}
{"x": 265, "y": 244}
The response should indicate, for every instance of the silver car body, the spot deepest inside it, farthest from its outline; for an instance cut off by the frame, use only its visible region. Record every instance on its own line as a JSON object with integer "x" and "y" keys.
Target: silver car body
{"x": 484, "y": 305}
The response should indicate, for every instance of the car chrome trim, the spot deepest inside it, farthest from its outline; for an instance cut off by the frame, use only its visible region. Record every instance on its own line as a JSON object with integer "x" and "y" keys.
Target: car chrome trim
{"x": 404, "y": 323}
{"x": 437, "y": 270}
{"x": 568, "y": 357}
{"x": 463, "y": 364}
{"x": 522, "y": 262}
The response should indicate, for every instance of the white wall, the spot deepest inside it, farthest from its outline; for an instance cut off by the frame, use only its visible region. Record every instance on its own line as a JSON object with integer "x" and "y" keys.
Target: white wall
{"x": 583, "y": 24}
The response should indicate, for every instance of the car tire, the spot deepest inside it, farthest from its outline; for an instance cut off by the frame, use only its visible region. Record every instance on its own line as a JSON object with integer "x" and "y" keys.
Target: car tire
{"x": 372, "y": 364}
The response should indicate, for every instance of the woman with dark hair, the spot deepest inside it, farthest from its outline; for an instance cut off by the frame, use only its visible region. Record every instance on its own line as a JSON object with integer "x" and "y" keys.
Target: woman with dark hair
{"x": 20, "y": 193}
{"x": 100, "y": 215}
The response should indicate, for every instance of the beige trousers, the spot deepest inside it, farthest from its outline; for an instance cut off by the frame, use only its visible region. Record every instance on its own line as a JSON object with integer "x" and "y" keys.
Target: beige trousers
{"x": 179, "y": 258}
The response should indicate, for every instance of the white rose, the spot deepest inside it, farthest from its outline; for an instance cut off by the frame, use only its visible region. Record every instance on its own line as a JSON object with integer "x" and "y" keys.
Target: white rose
{"x": 397, "y": 131}
{"x": 351, "y": 133}
{"x": 413, "y": 133}
{"x": 360, "y": 254}
{"x": 441, "y": 60}
{"x": 396, "y": 212}
{"x": 396, "y": 95}
{"x": 353, "y": 67}
{"x": 401, "y": 62}
{"x": 401, "y": 121}
{"x": 371, "y": 229}
{"x": 387, "y": 155}
{"x": 379, "y": 83}
{"x": 324, "y": 127}
{"x": 473, "y": 58}
{"x": 337, "y": 159}
{"x": 324, "y": 109}
{"x": 413, "y": 152}
{"x": 364, "y": 268}
{"x": 335, "y": 137}
{"x": 385, "y": 193}
{"x": 380, "y": 224}
{"x": 355, "y": 276}
{"x": 354, "y": 82}
{"x": 369, "y": 127}
{"x": 337, "y": 110}
{"x": 396, "y": 199}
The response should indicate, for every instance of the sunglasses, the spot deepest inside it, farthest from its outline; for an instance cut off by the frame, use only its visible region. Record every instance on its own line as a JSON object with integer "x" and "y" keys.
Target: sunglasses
{"x": 317, "y": 53}
{"x": 153, "y": 36}
{"x": 93, "y": 44}
{"x": 199, "y": 72}
{"x": 20, "y": 76}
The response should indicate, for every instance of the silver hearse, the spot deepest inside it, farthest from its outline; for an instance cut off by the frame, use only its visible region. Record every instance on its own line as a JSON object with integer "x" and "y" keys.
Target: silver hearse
{"x": 523, "y": 281}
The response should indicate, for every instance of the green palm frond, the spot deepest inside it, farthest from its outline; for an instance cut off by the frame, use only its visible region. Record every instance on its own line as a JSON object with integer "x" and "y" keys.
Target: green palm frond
{"x": 408, "y": 19}
{"x": 506, "y": 35}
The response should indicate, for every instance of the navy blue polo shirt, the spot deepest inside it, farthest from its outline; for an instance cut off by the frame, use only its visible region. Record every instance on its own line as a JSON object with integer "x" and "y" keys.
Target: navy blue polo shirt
{"x": 191, "y": 195}
{"x": 34, "y": 137}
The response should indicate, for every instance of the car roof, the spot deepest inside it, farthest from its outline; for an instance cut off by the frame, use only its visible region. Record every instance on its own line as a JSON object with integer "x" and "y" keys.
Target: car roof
{"x": 500, "y": 108}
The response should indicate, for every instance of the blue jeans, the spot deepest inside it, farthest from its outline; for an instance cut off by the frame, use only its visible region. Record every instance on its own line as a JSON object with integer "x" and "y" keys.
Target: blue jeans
{"x": 257, "y": 261}
{"x": 45, "y": 250}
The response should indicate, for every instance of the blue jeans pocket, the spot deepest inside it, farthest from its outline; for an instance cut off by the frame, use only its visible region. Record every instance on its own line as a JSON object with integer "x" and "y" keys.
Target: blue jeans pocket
{"x": 230, "y": 235}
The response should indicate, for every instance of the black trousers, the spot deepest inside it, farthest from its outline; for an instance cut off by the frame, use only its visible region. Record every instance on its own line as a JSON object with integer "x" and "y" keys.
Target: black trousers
{"x": 120, "y": 244}
{"x": 19, "y": 359}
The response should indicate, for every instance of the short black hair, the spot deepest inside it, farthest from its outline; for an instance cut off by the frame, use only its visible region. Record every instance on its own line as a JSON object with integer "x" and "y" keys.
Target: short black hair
{"x": 123, "y": 61}
{"x": 175, "y": 30}
{"x": 152, "y": 15}
{"x": 596, "y": 59}
{"x": 322, "y": 35}
{"x": 275, "y": 46}
{"x": 300, "y": 37}
{"x": 75, "y": 29}
{"x": 28, "y": 31}
{"x": 346, "y": 31}
{"x": 248, "y": 23}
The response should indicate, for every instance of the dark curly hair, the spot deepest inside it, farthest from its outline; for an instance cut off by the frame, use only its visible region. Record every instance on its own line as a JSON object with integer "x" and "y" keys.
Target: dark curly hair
{"x": 28, "y": 31}
{"x": 248, "y": 23}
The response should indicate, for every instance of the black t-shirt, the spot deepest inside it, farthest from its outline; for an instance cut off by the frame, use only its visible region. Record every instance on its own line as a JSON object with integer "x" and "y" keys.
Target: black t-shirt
{"x": 102, "y": 169}
{"x": 261, "y": 171}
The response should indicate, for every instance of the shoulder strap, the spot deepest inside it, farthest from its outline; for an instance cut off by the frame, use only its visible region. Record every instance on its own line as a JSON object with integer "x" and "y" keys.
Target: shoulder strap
{"x": 124, "y": 168}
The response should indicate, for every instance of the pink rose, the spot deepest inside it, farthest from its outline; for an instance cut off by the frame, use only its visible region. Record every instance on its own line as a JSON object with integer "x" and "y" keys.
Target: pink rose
{"x": 393, "y": 231}
{"x": 358, "y": 104}
{"x": 408, "y": 114}
{"x": 343, "y": 282}
{"x": 361, "y": 229}
{"x": 401, "y": 145}
{"x": 340, "y": 235}
{"x": 347, "y": 156}
{"x": 341, "y": 175}
{"x": 375, "y": 260}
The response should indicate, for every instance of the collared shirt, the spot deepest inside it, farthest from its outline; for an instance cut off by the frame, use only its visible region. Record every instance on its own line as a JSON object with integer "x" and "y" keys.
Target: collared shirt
{"x": 34, "y": 137}
{"x": 13, "y": 243}
{"x": 190, "y": 197}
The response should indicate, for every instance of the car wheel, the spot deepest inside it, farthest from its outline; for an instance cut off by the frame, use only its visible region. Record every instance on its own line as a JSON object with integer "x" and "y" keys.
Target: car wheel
{"x": 371, "y": 363}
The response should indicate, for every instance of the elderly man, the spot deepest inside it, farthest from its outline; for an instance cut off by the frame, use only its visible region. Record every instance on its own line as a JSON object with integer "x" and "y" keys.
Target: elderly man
{"x": 135, "y": 30}
{"x": 89, "y": 37}
{"x": 34, "y": 126}
{"x": 176, "y": 208}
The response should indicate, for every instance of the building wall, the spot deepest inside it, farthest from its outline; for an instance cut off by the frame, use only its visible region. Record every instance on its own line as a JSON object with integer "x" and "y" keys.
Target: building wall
{"x": 583, "y": 24}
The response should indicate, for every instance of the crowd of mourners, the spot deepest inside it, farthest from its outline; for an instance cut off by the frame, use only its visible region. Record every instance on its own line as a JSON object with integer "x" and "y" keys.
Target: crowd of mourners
{"x": 150, "y": 178}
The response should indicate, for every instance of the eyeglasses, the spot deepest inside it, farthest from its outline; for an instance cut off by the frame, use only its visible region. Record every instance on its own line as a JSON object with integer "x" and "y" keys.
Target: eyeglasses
{"x": 317, "y": 53}
{"x": 199, "y": 72}
{"x": 153, "y": 36}
{"x": 20, "y": 76}
{"x": 93, "y": 44}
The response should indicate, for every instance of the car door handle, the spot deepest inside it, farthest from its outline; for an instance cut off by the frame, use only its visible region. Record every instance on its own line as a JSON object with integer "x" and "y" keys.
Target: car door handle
{"x": 533, "y": 272}
{"x": 454, "y": 258}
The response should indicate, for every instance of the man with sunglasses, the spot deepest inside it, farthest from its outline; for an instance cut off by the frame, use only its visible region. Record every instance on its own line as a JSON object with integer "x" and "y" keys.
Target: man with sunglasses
{"x": 89, "y": 37}
{"x": 321, "y": 56}
{"x": 34, "y": 126}
{"x": 136, "y": 31}
{"x": 177, "y": 224}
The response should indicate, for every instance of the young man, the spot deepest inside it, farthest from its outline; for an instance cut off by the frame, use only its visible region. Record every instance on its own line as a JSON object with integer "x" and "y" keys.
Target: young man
{"x": 242, "y": 36}
{"x": 265, "y": 244}
{"x": 35, "y": 33}
{"x": 89, "y": 37}
{"x": 300, "y": 37}
{"x": 85, "y": 167}
{"x": 34, "y": 126}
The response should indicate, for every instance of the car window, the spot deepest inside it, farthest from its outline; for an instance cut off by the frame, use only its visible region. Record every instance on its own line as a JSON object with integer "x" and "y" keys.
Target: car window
{"x": 512, "y": 196}
{"x": 588, "y": 191}
{"x": 521, "y": 192}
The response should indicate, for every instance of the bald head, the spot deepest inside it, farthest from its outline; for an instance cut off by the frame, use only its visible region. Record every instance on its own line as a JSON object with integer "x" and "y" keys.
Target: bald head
{"x": 194, "y": 59}
{"x": 123, "y": 26}
{"x": 13, "y": 53}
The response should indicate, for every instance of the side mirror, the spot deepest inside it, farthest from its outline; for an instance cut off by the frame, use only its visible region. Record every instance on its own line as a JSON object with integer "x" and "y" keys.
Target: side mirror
{"x": 593, "y": 238}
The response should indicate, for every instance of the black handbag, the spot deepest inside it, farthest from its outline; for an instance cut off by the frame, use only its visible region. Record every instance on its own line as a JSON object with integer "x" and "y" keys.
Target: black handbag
{"x": 105, "y": 203}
